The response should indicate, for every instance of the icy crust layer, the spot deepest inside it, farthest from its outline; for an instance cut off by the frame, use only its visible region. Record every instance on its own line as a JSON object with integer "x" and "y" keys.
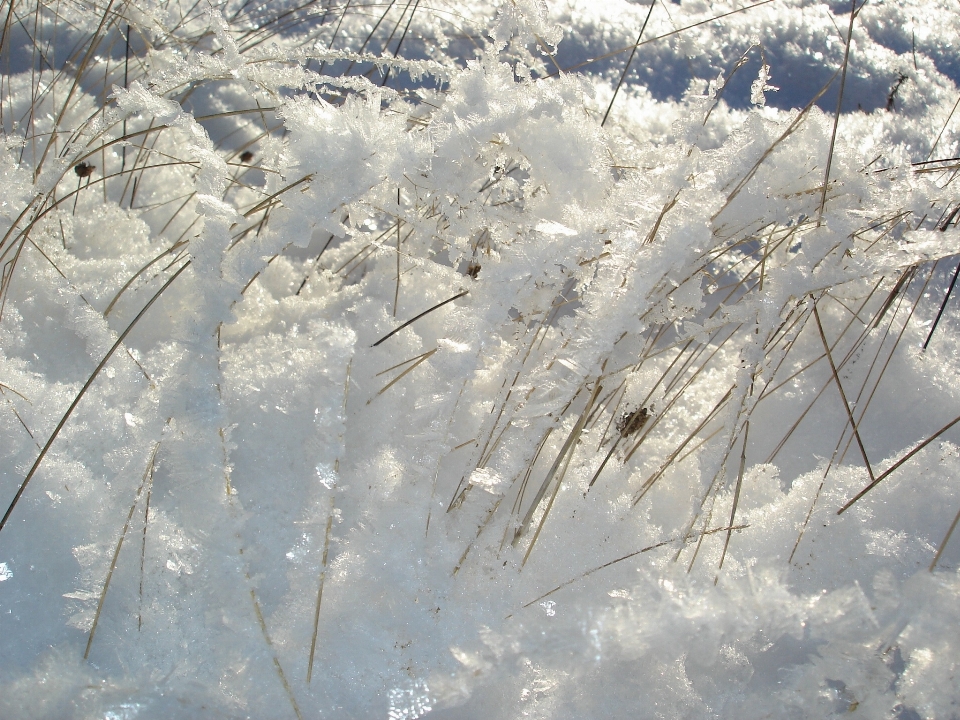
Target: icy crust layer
{"x": 451, "y": 399}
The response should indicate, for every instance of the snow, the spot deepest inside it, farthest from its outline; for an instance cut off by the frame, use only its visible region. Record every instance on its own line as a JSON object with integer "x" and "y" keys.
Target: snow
{"x": 373, "y": 373}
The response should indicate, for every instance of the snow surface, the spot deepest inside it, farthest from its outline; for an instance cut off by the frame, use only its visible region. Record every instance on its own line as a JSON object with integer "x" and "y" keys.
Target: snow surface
{"x": 377, "y": 368}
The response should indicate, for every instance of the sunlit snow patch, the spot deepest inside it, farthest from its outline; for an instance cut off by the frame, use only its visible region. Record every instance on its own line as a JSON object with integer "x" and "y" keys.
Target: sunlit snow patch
{"x": 554, "y": 228}
{"x": 409, "y": 703}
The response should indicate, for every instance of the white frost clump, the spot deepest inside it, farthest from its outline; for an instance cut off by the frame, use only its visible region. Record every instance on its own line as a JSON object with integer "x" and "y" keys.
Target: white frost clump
{"x": 356, "y": 368}
{"x": 760, "y": 86}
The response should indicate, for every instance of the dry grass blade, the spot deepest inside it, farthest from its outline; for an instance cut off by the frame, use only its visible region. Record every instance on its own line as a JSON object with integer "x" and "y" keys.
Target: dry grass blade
{"x": 6, "y": 24}
{"x": 49, "y": 208}
{"x": 813, "y": 505}
{"x": 678, "y": 393}
{"x": 833, "y": 457}
{"x": 797, "y": 121}
{"x": 836, "y": 117}
{"x": 518, "y": 501}
{"x": 143, "y": 537}
{"x": 7, "y": 275}
{"x": 126, "y": 286}
{"x": 158, "y": 128}
{"x": 480, "y": 529}
{"x": 13, "y": 408}
{"x": 369, "y": 37}
{"x": 726, "y": 81}
{"x": 316, "y": 264}
{"x": 768, "y": 392}
{"x": 626, "y": 67}
{"x": 404, "y": 362}
{"x": 943, "y": 543}
{"x": 83, "y": 390}
{"x": 403, "y": 37}
{"x": 736, "y": 493}
{"x": 323, "y": 575}
{"x": 943, "y": 306}
{"x": 662, "y": 543}
{"x": 875, "y": 362}
{"x": 91, "y": 48}
{"x": 893, "y": 468}
{"x": 4, "y": 387}
{"x": 667, "y": 207}
{"x": 436, "y": 474}
{"x": 843, "y": 396}
{"x": 81, "y": 296}
{"x": 396, "y": 294}
{"x": 273, "y": 196}
{"x": 650, "y": 481}
{"x": 905, "y": 277}
{"x": 850, "y": 424}
{"x": 678, "y": 31}
{"x": 147, "y": 474}
{"x": 276, "y": 661}
{"x": 603, "y": 464}
{"x": 15, "y": 223}
{"x": 940, "y": 134}
{"x": 417, "y": 317}
{"x": 558, "y": 469}
{"x": 416, "y": 361}
{"x": 713, "y": 489}
{"x": 336, "y": 30}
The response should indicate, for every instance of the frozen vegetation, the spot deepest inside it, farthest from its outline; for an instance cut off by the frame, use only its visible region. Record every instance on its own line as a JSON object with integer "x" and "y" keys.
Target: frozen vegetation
{"x": 376, "y": 360}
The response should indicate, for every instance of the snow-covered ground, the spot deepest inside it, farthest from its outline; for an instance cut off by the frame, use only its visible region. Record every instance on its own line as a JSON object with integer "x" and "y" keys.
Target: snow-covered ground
{"x": 377, "y": 360}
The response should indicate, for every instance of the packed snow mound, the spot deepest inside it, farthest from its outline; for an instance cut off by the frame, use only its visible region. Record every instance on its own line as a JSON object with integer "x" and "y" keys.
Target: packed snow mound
{"x": 467, "y": 363}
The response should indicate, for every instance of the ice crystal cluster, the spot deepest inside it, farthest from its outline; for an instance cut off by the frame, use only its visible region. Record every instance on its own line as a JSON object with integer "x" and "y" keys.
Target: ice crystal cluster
{"x": 562, "y": 359}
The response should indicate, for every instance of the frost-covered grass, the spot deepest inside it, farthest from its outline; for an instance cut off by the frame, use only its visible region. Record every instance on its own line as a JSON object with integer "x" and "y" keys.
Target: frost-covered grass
{"x": 371, "y": 360}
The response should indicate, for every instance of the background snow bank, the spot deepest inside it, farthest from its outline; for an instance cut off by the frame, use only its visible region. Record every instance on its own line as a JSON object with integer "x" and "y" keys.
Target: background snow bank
{"x": 350, "y": 366}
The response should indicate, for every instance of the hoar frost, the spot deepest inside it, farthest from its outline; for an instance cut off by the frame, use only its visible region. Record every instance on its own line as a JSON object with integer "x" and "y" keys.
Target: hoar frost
{"x": 357, "y": 367}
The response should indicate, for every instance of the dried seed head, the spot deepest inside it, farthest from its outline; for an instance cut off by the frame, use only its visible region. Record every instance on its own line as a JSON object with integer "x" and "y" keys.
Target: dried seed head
{"x": 632, "y": 422}
{"x": 83, "y": 169}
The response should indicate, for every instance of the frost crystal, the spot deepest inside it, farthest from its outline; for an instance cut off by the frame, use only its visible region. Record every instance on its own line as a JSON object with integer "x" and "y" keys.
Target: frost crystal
{"x": 760, "y": 86}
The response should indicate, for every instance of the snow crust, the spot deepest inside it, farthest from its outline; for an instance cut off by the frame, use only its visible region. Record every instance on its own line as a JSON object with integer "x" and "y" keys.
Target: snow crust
{"x": 454, "y": 399}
